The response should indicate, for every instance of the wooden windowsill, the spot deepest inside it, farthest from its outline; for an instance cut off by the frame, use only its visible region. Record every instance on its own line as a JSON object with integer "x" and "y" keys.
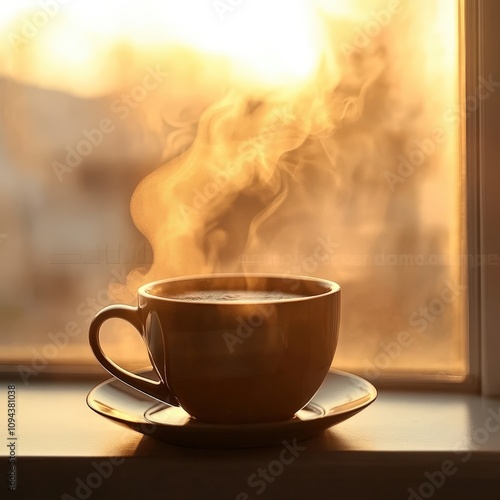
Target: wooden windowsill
{"x": 404, "y": 440}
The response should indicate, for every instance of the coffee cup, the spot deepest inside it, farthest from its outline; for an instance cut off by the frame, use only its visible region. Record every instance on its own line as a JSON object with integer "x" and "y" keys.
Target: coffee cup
{"x": 231, "y": 348}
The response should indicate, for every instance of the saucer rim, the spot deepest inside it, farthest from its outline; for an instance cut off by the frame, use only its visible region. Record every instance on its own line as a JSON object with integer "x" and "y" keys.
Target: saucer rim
{"x": 331, "y": 416}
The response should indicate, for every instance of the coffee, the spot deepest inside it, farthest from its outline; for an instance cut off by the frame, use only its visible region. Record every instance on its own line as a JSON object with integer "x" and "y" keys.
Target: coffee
{"x": 241, "y": 296}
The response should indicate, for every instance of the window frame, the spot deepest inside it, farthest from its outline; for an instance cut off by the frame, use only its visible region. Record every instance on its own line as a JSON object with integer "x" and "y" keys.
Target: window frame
{"x": 489, "y": 178}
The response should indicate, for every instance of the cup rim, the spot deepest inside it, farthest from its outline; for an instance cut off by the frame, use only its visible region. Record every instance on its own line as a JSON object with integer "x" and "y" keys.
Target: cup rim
{"x": 332, "y": 287}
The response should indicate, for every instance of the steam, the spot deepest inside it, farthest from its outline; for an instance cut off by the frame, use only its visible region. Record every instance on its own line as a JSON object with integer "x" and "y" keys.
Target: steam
{"x": 241, "y": 186}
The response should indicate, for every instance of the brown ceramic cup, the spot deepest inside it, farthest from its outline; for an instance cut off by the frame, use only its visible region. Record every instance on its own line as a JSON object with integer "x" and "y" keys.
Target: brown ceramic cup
{"x": 232, "y": 348}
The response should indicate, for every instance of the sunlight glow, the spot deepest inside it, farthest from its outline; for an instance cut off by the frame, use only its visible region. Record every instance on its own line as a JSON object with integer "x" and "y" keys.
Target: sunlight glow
{"x": 265, "y": 43}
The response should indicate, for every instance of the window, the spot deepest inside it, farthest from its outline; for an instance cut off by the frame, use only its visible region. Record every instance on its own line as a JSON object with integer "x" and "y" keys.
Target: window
{"x": 350, "y": 165}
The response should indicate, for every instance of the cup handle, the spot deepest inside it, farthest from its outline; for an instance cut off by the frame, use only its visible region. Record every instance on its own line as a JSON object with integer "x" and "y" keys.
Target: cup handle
{"x": 157, "y": 390}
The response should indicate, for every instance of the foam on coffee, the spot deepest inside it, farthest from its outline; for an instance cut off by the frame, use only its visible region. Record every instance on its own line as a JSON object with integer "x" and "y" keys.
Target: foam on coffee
{"x": 235, "y": 296}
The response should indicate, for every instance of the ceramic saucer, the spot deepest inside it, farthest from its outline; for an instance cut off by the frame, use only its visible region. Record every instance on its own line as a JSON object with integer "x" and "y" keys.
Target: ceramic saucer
{"x": 341, "y": 396}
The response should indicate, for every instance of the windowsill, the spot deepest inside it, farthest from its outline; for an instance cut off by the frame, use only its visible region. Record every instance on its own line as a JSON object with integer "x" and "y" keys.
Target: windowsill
{"x": 379, "y": 453}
